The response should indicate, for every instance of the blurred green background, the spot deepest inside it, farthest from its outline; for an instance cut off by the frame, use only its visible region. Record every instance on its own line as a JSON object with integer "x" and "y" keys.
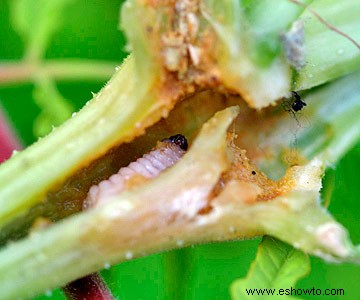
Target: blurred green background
{"x": 89, "y": 30}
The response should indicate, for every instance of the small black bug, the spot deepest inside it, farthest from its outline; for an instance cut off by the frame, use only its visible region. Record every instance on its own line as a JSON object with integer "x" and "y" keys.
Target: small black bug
{"x": 298, "y": 104}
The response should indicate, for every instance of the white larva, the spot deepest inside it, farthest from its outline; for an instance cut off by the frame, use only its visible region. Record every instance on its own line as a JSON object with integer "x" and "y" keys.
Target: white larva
{"x": 166, "y": 153}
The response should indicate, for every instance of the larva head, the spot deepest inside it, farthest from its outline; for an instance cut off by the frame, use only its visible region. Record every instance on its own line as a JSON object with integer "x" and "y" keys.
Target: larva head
{"x": 179, "y": 140}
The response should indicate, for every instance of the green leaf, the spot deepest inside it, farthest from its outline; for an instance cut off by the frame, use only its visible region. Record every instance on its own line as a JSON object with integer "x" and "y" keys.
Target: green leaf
{"x": 276, "y": 266}
{"x": 36, "y": 21}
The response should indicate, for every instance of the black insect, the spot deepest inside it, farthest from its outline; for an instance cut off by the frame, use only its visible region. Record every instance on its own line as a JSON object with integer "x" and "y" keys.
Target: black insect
{"x": 298, "y": 104}
{"x": 294, "y": 104}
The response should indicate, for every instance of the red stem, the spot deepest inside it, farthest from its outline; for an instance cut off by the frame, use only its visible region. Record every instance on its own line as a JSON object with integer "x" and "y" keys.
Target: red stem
{"x": 90, "y": 287}
{"x": 8, "y": 140}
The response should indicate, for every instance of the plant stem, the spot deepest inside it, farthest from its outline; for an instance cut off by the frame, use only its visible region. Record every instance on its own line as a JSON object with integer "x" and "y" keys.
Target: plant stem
{"x": 115, "y": 117}
{"x": 91, "y": 287}
{"x": 8, "y": 140}
{"x": 92, "y": 246}
{"x": 65, "y": 69}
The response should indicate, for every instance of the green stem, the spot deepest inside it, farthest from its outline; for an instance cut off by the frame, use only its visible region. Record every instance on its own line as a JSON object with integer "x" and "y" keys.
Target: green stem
{"x": 177, "y": 266}
{"x": 118, "y": 113}
{"x": 65, "y": 69}
{"x": 329, "y": 52}
{"x": 111, "y": 233}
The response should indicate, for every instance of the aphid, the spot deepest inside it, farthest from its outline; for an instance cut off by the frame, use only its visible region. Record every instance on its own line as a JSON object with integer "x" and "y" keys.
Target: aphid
{"x": 294, "y": 104}
{"x": 164, "y": 155}
{"x": 298, "y": 104}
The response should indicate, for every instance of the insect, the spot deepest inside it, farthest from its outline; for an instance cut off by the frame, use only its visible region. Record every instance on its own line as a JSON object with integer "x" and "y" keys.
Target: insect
{"x": 164, "y": 155}
{"x": 298, "y": 104}
{"x": 294, "y": 104}
{"x": 294, "y": 107}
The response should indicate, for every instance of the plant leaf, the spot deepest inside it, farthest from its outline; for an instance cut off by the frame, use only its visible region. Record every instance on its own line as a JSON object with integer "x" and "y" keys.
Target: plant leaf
{"x": 276, "y": 266}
